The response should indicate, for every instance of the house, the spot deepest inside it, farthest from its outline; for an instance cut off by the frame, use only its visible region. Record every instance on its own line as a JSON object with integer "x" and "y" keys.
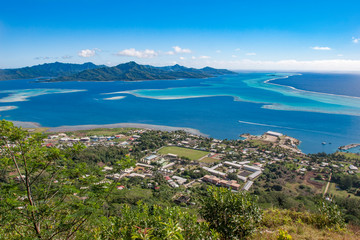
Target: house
{"x": 182, "y": 199}
{"x": 173, "y": 184}
{"x": 353, "y": 168}
{"x": 179, "y": 180}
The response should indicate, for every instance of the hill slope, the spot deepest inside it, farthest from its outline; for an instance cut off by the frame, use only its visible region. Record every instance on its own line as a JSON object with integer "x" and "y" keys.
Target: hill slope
{"x": 132, "y": 71}
{"x": 55, "y": 69}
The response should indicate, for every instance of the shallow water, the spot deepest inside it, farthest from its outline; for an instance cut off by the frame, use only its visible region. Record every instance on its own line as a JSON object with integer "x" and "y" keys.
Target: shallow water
{"x": 223, "y": 107}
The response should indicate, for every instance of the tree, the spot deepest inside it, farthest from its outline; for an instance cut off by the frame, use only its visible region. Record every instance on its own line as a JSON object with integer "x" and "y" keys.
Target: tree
{"x": 329, "y": 215}
{"x": 46, "y": 195}
{"x": 154, "y": 222}
{"x": 233, "y": 215}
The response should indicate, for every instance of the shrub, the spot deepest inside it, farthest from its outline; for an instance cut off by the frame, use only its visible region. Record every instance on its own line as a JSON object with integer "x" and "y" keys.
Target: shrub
{"x": 329, "y": 216}
{"x": 233, "y": 215}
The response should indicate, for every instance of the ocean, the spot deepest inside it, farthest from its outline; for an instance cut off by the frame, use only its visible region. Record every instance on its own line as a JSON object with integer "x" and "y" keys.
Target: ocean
{"x": 312, "y": 107}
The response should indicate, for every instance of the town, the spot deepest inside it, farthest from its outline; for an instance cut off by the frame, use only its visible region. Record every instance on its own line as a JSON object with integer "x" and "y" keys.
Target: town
{"x": 186, "y": 160}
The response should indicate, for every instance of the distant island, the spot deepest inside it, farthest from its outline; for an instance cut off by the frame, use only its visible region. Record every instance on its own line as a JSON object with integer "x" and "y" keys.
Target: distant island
{"x": 52, "y": 70}
{"x": 131, "y": 71}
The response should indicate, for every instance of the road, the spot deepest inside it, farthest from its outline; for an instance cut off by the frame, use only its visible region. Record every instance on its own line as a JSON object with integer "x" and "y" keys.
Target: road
{"x": 327, "y": 185}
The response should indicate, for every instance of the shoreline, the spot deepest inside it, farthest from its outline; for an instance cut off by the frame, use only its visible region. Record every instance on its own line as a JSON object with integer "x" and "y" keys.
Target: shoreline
{"x": 69, "y": 128}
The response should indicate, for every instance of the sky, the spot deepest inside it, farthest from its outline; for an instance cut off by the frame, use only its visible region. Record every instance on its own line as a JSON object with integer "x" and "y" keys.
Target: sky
{"x": 239, "y": 35}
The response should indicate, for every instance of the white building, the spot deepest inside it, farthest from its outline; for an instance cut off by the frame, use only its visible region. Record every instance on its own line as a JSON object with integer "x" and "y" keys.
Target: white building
{"x": 252, "y": 168}
{"x": 254, "y": 175}
{"x": 275, "y": 134}
{"x": 247, "y": 185}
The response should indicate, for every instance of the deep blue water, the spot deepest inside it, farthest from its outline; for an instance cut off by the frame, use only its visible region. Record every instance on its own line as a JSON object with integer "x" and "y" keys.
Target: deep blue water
{"x": 344, "y": 84}
{"x": 213, "y": 106}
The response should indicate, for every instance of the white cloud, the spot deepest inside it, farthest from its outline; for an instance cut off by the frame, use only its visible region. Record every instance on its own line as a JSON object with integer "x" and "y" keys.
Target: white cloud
{"x": 43, "y": 58}
{"x": 340, "y": 55}
{"x": 66, "y": 57}
{"x": 321, "y": 48}
{"x": 344, "y": 65}
{"x": 193, "y": 57}
{"x": 178, "y": 49}
{"x": 218, "y": 51}
{"x": 251, "y": 54}
{"x": 169, "y": 53}
{"x": 204, "y": 57}
{"x": 132, "y": 52}
{"x": 234, "y": 56}
{"x": 181, "y": 58}
{"x": 87, "y": 53}
{"x": 237, "y": 49}
{"x": 355, "y": 40}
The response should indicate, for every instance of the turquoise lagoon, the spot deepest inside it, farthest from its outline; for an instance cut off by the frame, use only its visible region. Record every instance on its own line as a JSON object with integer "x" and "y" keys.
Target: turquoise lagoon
{"x": 221, "y": 107}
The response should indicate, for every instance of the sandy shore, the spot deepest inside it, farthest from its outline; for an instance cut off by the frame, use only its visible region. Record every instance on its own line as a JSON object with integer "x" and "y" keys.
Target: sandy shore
{"x": 115, "y": 125}
{"x": 124, "y": 125}
{"x": 26, "y": 124}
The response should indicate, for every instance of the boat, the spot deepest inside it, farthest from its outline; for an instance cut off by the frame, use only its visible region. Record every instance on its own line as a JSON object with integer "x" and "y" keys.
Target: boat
{"x": 323, "y": 143}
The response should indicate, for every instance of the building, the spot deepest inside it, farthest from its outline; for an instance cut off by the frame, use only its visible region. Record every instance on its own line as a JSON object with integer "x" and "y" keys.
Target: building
{"x": 150, "y": 158}
{"x": 247, "y": 185}
{"x": 244, "y": 179}
{"x": 214, "y": 172}
{"x": 275, "y": 134}
{"x": 211, "y": 179}
{"x": 179, "y": 180}
{"x": 254, "y": 175}
{"x": 251, "y": 168}
{"x": 171, "y": 156}
{"x": 353, "y": 168}
{"x": 144, "y": 165}
{"x": 235, "y": 165}
{"x": 229, "y": 184}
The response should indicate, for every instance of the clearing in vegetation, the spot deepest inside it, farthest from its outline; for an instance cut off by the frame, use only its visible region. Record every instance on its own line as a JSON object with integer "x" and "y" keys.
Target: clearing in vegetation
{"x": 183, "y": 152}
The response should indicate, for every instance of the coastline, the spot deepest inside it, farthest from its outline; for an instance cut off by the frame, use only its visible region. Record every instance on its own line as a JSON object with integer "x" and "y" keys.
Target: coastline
{"x": 125, "y": 125}
{"x": 68, "y": 128}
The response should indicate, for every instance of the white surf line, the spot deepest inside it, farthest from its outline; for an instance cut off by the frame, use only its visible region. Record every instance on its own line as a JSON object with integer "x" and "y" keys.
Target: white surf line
{"x": 266, "y": 125}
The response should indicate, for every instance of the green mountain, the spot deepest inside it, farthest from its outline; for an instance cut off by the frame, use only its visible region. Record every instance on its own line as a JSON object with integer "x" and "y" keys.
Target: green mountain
{"x": 55, "y": 69}
{"x": 132, "y": 71}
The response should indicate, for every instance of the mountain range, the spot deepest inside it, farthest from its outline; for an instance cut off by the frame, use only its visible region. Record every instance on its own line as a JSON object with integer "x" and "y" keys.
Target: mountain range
{"x": 55, "y": 69}
{"x": 131, "y": 71}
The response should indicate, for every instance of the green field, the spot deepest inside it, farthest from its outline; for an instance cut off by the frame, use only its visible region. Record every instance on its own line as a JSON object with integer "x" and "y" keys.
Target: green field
{"x": 342, "y": 193}
{"x": 349, "y": 155}
{"x": 209, "y": 160}
{"x": 101, "y": 132}
{"x": 183, "y": 152}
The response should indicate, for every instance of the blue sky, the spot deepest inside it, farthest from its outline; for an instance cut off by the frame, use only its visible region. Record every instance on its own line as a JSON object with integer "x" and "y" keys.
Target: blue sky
{"x": 254, "y": 35}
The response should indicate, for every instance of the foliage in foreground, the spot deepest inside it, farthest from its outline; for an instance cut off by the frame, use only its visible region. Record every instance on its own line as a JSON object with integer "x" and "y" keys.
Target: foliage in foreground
{"x": 43, "y": 193}
{"x": 154, "y": 222}
{"x": 233, "y": 215}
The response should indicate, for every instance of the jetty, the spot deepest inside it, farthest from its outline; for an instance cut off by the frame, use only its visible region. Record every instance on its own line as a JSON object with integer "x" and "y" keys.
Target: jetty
{"x": 349, "y": 146}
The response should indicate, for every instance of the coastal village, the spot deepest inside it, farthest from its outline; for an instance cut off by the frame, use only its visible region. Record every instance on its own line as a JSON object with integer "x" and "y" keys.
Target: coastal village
{"x": 186, "y": 160}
